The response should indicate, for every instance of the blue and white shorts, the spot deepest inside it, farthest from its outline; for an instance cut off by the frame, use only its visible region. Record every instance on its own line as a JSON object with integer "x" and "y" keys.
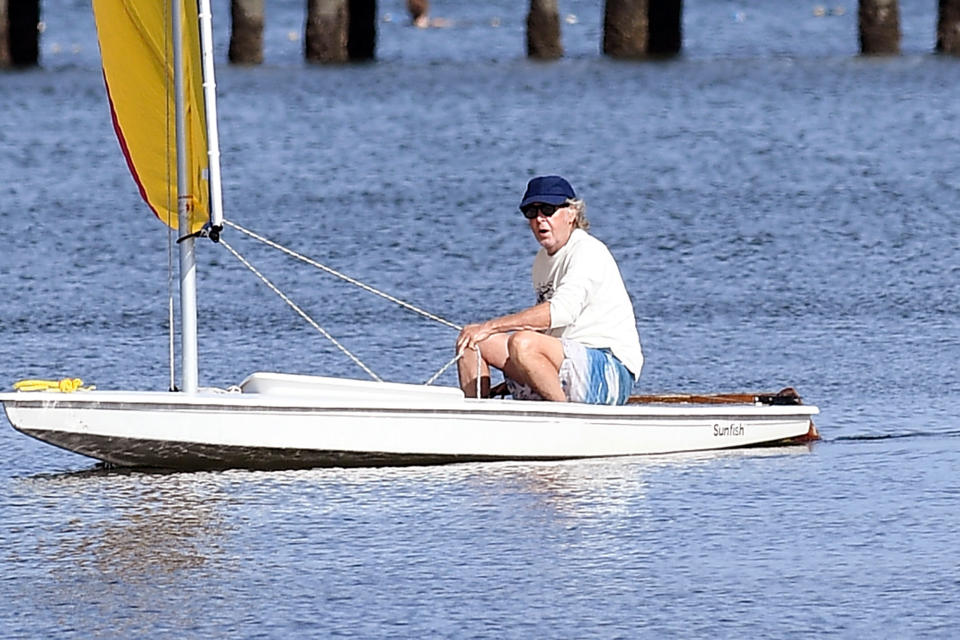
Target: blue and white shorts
{"x": 592, "y": 376}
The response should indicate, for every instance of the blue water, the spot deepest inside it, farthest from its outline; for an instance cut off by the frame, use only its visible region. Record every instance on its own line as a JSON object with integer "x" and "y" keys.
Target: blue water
{"x": 784, "y": 213}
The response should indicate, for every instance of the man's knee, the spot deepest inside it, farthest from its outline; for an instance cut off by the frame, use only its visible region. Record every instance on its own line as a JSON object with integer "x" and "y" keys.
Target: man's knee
{"x": 522, "y": 344}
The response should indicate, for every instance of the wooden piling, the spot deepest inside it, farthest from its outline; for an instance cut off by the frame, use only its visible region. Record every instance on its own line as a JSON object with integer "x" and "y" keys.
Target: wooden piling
{"x": 948, "y": 27}
{"x": 543, "y": 30}
{"x": 23, "y": 34}
{"x": 326, "y": 31}
{"x": 626, "y": 28}
{"x": 246, "y": 35}
{"x": 362, "y": 30}
{"x": 4, "y": 36}
{"x": 665, "y": 26}
{"x": 879, "y": 27}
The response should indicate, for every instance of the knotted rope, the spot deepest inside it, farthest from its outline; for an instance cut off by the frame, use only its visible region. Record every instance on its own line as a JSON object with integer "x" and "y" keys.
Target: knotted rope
{"x": 63, "y": 385}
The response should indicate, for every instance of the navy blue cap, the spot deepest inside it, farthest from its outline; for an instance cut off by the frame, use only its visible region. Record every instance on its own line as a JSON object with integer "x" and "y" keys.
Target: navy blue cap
{"x": 548, "y": 190}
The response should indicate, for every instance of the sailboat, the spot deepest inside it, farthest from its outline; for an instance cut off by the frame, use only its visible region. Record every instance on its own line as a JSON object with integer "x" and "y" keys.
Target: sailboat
{"x": 277, "y": 420}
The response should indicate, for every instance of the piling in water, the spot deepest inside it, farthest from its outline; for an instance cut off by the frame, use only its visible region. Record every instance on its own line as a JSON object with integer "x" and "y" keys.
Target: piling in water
{"x": 879, "y": 27}
{"x": 19, "y": 33}
{"x": 665, "y": 30}
{"x": 626, "y": 28}
{"x": 543, "y": 30}
{"x": 246, "y": 36}
{"x": 362, "y": 30}
{"x": 326, "y": 31}
{"x": 948, "y": 27}
{"x": 4, "y": 36}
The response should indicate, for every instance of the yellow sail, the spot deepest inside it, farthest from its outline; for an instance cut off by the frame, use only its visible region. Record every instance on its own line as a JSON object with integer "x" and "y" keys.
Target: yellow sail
{"x": 137, "y": 52}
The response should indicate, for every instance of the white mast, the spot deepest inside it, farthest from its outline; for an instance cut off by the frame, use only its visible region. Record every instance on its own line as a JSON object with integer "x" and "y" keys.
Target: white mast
{"x": 210, "y": 106}
{"x": 188, "y": 263}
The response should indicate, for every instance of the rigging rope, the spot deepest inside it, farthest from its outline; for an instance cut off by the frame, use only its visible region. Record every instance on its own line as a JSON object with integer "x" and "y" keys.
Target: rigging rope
{"x": 300, "y": 311}
{"x": 434, "y": 377}
{"x": 346, "y": 278}
{"x": 353, "y": 281}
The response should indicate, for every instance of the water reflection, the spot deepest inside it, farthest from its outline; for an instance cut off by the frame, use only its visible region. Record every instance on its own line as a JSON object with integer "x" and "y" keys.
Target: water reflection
{"x": 566, "y": 489}
{"x": 154, "y": 523}
{"x": 113, "y": 543}
{"x": 133, "y": 553}
{"x": 608, "y": 486}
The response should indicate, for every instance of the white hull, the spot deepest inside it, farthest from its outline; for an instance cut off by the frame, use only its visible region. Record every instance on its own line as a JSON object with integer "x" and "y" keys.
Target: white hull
{"x": 281, "y": 421}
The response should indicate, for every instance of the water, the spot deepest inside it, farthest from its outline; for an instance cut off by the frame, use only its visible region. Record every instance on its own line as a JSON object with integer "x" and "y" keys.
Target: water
{"x": 783, "y": 213}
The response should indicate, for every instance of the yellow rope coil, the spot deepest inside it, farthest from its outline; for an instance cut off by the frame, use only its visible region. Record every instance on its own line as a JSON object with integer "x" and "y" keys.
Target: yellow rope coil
{"x": 63, "y": 385}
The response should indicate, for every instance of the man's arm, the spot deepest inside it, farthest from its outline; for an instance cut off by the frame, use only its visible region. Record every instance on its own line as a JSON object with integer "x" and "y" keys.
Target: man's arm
{"x": 535, "y": 318}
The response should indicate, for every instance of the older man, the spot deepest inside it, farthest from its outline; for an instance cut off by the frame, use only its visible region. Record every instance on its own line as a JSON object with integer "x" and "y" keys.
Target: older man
{"x": 579, "y": 343}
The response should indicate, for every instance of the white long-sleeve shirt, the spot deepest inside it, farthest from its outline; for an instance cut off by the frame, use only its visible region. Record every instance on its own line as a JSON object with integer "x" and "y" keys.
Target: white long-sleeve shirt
{"x": 588, "y": 300}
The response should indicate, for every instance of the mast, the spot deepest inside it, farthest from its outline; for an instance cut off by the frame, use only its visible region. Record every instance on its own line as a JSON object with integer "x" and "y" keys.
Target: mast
{"x": 210, "y": 110}
{"x": 188, "y": 262}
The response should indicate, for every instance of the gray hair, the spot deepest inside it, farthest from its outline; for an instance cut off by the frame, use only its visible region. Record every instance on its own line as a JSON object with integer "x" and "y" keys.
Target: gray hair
{"x": 579, "y": 207}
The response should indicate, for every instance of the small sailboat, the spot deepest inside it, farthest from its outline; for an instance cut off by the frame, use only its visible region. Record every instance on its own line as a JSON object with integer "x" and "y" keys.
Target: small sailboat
{"x": 275, "y": 420}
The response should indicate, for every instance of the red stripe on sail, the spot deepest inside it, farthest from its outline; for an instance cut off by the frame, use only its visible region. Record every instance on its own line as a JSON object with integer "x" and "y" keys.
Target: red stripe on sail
{"x": 126, "y": 150}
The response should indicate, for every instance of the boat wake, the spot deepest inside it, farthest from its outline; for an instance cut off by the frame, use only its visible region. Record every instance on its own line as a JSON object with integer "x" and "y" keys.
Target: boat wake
{"x": 954, "y": 433}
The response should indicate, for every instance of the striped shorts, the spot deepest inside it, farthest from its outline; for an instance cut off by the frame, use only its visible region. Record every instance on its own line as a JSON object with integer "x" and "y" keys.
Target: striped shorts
{"x": 591, "y": 376}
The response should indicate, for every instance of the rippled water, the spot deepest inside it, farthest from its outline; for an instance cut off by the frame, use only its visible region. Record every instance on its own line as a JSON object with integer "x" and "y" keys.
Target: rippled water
{"x": 783, "y": 211}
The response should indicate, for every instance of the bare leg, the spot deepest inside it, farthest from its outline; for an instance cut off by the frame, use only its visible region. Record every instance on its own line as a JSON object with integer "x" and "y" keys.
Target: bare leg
{"x": 535, "y": 359}
{"x": 493, "y": 352}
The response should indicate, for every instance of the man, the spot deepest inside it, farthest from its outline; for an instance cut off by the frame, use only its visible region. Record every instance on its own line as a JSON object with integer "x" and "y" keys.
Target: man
{"x": 579, "y": 343}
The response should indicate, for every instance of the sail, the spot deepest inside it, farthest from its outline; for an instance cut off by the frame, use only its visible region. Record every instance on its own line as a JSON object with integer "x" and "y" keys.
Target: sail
{"x": 137, "y": 52}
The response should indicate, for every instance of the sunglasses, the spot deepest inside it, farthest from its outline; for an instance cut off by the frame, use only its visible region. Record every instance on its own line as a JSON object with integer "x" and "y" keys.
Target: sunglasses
{"x": 534, "y": 209}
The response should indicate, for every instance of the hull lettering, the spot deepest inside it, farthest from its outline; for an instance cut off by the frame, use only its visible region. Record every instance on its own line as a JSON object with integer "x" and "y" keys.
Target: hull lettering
{"x": 732, "y": 429}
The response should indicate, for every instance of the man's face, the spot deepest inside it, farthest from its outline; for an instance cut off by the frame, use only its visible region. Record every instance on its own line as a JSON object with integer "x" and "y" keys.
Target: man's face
{"x": 551, "y": 231}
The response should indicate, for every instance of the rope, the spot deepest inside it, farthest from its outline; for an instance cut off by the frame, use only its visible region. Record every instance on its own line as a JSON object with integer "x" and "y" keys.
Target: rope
{"x": 353, "y": 281}
{"x": 300, "y": 311}
{"x": 346, "y": 278}
{"x": 479, "y": 362}
{"x": 63, "y": 385}
{"x": 434, "y": 377}
{"x": 447, "y": 366}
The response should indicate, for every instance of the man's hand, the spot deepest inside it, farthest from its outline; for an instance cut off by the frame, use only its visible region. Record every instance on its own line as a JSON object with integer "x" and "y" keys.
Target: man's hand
{"x": 536, "y": 318}
{"x": 472, "y": 335}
